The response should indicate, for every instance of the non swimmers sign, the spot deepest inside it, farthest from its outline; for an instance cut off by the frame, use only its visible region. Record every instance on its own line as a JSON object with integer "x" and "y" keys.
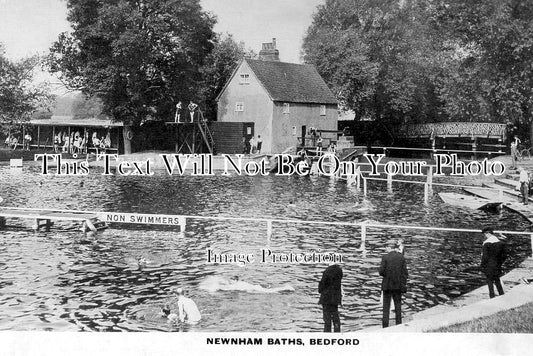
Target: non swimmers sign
{"x": 150, "y": 219}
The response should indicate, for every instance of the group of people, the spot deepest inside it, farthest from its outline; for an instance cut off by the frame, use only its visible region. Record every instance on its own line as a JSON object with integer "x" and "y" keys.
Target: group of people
{"x": 12, "y": 142}
{"x": 186, "y": 311}
{"x": 393, "y": 269}
{"x": 76, "y": 143}
{"x": 252, "y": 146}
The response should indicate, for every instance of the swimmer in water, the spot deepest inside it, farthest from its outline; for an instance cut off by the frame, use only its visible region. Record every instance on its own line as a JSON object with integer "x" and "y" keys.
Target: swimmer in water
{"x": 166, "y": 313}
{"x": 214, "y": 284}
{"x": 141, "y": 261}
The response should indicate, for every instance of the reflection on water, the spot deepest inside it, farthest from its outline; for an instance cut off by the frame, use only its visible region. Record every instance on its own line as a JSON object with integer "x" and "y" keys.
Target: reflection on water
{"x": 65, "y": 280}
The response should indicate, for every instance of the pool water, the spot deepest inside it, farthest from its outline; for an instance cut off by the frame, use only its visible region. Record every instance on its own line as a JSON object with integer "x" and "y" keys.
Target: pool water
{"x": 64, "y": 280}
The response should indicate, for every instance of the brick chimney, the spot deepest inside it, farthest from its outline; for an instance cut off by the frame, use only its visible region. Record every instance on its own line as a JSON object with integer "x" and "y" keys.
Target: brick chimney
{"x": 269, "y": 52}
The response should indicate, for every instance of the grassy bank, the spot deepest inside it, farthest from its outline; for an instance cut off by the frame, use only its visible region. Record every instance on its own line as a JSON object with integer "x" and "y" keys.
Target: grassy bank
{"x": 517, "y": 320}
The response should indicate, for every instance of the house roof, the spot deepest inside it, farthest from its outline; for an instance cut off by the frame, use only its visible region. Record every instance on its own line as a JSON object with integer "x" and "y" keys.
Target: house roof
{"x": 70, "y": 121}
{"x": 290, "y": 82}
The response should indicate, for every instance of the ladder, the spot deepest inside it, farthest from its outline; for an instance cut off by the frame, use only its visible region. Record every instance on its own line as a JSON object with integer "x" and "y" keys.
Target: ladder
{"x": 206, "y": 133}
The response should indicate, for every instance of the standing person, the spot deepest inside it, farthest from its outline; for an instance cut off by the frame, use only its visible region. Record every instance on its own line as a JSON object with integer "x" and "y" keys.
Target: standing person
{"x": 187, "y": 309}
{"x": 393, "y": 268}
{"x": 252, "y": 145}
{"x": 492, "y": 258}
{"x": 524, "y": 185}
{"x": 330, "y": 291}
{"x": 513, "y": 155}
{"x": 319, "y": 145}
{"x": 259, "y": 143}
{"x": 26, "y": 142}
{"x": 14, "y": 142}
{"x": 57, "y": 142}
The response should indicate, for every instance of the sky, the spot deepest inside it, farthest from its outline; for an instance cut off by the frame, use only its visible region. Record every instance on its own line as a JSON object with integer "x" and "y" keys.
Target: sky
{"x": 28, "y": 27}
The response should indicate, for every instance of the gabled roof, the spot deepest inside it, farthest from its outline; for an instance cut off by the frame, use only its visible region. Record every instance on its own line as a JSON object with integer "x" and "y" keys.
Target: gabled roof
{"x": 290, "y": 82}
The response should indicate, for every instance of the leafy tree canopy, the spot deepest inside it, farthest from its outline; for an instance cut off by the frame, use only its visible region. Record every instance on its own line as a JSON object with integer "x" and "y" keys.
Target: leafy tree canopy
{"x": 376, "y": 56}
{"x": 19, "y": 96}
{"x": 139, "y": 57}
{"x": 419, "y": 60}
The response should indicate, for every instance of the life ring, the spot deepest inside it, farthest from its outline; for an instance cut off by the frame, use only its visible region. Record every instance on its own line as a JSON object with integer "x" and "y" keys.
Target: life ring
{"x": 129, "y": 135}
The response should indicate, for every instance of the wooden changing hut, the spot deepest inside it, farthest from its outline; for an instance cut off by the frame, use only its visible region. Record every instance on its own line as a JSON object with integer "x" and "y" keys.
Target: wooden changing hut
{"x": 43, "y": 131}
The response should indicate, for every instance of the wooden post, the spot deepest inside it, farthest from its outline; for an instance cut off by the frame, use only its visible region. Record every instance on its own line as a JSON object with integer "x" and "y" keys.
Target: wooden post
{"x": 430, "y": 176}
{"x": 364, "y": 186}
{"x": 389, "y": 182}
{"x": 269, "y": 229}
{"x": 531, "y": 245}
{"x": 363, "y": 238}
{"x": 182, "y": 223}
{"x": 53, "y": 138}
{"x": 474, "y": 148}
{"x": 118, "y": 140}
{"x": 193, "y": 138}
{"x": 426, "y": 193}
{"x": 70, "y": 142}
{"x": 39, "y": 136}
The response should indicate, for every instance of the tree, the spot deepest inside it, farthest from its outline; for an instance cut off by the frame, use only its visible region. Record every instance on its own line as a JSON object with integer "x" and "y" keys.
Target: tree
{"x": 427, "y": 60}
{"x": 19, "y": 96}
{"x": 495, "y": 42}
{"x": 139, "y": 57}
{"x": 219, "y": 65}
{"x": 376, "y": 56}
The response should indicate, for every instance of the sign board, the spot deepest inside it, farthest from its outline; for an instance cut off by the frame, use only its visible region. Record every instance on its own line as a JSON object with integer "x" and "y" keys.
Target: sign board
{"x": 150, "y": 219}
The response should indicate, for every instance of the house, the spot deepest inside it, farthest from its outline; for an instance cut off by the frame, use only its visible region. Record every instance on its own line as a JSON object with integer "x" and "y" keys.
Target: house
{"x": 284, "y": 101}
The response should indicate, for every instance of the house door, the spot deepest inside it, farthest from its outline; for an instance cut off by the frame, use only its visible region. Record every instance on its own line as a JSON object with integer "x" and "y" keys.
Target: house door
{"x": 304, "y": 131}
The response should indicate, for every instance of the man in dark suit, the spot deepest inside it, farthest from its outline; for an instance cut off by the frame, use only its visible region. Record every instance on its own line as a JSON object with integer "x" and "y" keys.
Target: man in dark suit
{"x": 393, "y": 268}
{"x": 330, "y": 291}
{"x": 492, "y": 258}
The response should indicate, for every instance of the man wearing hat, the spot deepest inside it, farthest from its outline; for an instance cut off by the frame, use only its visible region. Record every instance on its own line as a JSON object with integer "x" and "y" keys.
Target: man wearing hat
{"x": 393, "y": 268}
{"x": 492, "y": 258}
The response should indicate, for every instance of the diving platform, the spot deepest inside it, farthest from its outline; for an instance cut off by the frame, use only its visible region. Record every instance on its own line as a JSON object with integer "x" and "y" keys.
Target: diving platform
{"x": 44, "y": 218}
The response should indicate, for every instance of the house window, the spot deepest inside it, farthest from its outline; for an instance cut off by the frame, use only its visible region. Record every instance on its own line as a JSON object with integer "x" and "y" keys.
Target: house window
{"x": 244, "y": 78}
{"x": 239, "y": 106}
{"x": 322, "y": 110}
{"x": 286, "y": 108}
